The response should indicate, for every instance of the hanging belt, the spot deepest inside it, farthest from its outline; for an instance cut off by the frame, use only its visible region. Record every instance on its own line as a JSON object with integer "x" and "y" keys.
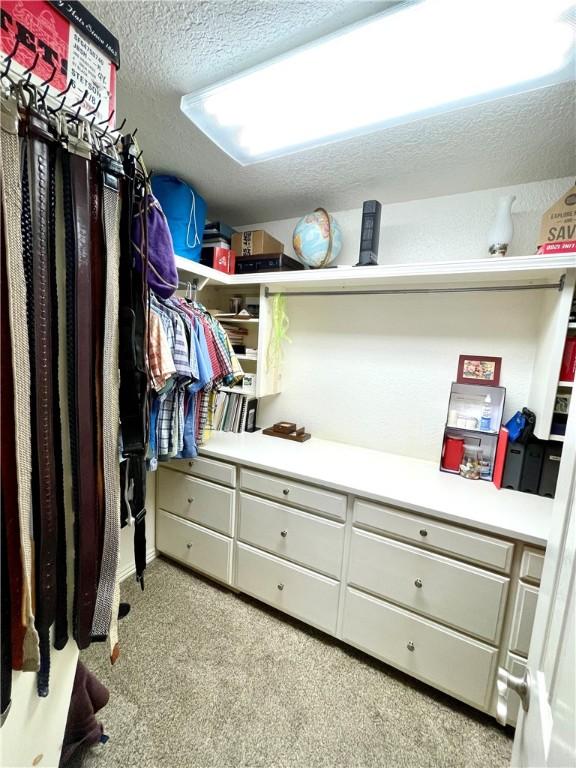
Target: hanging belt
{"x": 66, "y": 340}
{"x": 12, "y": 209}
{"x": 61, "y": 624}
{"x": 133, "y": 372}
{"x": 103, "y": 614}
{"x": 82, "y": 437}
{"x": 98, "y": 261}
{"x": 10, "y": 485}
{"x": 46, "y": 532}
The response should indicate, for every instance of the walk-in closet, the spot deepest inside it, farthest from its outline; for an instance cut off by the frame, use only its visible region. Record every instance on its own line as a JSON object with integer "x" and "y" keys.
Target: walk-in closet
{"x": 288, "y": 356}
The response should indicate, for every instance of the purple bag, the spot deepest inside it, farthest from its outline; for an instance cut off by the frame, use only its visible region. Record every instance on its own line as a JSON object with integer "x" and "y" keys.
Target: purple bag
{"x": 162, "y": 272}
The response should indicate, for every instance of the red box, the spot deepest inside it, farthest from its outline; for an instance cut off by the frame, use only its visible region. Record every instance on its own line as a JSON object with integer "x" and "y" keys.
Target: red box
{"x": 224, "y": 260}
{"x": 568, "y": 367}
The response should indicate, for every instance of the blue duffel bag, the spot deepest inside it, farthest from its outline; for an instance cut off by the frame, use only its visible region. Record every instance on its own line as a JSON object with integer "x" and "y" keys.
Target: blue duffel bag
{"x": 185, "y": 212}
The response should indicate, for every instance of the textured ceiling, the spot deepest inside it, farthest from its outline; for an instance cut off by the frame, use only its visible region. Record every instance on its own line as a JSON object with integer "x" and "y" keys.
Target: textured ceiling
{"x": 169, "y": 48}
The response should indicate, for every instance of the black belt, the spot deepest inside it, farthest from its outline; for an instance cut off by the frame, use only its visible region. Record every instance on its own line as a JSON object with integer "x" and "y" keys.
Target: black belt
{"x": 46, "y": 528}
{"x": 76, "y": 172}
{"x": 133, "y": 366}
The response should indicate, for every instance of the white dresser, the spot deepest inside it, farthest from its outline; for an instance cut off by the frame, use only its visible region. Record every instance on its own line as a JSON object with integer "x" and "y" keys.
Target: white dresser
{"x": 446, "y": 597}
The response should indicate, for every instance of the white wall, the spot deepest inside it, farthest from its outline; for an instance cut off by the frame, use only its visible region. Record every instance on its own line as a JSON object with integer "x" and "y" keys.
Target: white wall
{"x": 126, "y": 567}
{"x": 375, "y": 371}
{"x": 448, "y": 228}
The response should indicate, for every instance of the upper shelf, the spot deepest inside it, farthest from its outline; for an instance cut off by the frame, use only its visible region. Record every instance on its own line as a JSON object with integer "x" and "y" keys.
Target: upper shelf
{"x": 513, "y": 270}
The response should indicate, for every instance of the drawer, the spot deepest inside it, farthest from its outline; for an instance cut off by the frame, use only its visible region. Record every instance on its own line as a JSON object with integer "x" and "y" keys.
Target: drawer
{"x": 468, "y": 545}
{"x": 196, "y": 500}
{"x": 456, "y": 664}
{"x": 208, "y": 469}
{"x": 195, "y": 546}
{"x": 523, "y": 621}
{"x": 531, "y": 565}
{"x": 516, "y": 666}
{"x": 452, "y": 592}
{"x": 316, "y": 499}
{"x": 290, "y": 588}
{"x": 298, "y": 536}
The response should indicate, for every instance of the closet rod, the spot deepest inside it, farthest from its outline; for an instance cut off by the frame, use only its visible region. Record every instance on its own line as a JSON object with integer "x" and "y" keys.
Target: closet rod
{"x": 393, "y": 291}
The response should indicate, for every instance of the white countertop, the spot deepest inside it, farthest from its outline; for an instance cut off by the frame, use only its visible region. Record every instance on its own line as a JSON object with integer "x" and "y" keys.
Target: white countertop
{"x": 398, "y": 480}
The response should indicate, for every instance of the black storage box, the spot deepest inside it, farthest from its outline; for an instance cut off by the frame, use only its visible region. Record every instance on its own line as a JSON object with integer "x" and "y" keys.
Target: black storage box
{"x": 272, "y": 262}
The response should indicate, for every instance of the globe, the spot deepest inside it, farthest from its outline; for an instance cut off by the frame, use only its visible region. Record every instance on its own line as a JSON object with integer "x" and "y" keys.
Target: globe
{"x": 311, "y": 239}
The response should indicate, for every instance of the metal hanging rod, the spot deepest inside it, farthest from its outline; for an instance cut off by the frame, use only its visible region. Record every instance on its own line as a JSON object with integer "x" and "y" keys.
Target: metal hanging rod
{"x": 401, "y": 291}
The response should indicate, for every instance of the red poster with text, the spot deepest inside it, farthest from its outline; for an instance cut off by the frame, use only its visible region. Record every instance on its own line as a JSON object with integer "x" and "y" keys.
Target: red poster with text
{"x": 33, "y": 30}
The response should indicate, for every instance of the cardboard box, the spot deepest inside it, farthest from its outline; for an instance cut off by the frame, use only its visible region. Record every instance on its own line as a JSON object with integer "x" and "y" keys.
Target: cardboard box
{"x": 255, "y": 243}
{"x": 558, "y": 228}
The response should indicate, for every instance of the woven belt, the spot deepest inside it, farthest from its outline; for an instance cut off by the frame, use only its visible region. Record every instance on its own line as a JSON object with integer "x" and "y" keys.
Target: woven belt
{"x": 17, "y": 300}
{"x": 14, "y": 586}
{"x": 104, "y": 616}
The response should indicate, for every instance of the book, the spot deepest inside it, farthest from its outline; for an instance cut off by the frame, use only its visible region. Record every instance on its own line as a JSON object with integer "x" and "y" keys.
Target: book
{"x": 500, "y": 457}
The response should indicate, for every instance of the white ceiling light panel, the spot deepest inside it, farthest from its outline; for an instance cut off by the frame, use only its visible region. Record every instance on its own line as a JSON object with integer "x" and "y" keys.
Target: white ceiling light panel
{"x": 423, "y": 59}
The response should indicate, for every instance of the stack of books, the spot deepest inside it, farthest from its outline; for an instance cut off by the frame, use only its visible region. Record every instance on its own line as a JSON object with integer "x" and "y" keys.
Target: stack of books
{"x": 216, "y": 235}
{"x": 237, "y": 336}
{"x": 232, "y": 411}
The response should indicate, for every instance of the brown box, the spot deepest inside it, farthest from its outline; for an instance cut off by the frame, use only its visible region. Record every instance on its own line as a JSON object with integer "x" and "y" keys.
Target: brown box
{"x": 255, "y": 243}
{"x": 558, "y": 228}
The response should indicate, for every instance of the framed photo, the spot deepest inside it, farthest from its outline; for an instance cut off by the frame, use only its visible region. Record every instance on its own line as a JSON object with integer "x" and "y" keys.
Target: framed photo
{"x": 476, "y": 369}
{"x": 562, "y": 404}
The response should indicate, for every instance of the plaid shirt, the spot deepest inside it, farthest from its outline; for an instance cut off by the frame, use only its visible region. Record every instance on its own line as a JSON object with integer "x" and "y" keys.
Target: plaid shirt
{"x": 160, "y": 361}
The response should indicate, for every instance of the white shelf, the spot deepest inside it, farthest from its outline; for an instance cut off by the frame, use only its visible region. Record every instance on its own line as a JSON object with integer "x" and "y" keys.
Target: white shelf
{"x": 246, "y": 357}
{"x": 557, "y": 438}
{"x": 514, "y": 270}
{"x": 239, "y": 320}
{"x": 566, "y": 384}
{"x": 572, "y": 326}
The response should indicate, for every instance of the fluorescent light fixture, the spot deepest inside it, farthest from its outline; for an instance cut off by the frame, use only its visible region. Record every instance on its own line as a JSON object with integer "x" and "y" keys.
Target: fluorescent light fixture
{"x": 418, "y": 60}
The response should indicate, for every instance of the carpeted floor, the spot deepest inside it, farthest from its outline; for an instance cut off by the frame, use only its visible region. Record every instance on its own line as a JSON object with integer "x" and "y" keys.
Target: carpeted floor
{"x": 207, "y": 678}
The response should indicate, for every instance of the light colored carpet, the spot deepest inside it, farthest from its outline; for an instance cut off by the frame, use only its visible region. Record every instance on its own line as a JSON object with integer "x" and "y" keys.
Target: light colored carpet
{"x": 210, "y": 679}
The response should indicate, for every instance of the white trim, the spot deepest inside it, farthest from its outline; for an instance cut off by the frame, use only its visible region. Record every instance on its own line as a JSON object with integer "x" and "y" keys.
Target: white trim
{"x": 513, "y": 270}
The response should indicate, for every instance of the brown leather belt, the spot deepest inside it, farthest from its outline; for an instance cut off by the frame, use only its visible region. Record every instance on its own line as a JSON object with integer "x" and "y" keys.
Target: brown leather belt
{"x": 46, "y": 527}
{"x": 79, "y": 280}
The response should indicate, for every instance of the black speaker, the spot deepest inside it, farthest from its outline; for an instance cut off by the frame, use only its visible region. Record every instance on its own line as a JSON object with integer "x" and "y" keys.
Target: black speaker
{"x": 370, "y": 233}
{"x": 532, "y": 468}
{"x": 550, "y": 467}
{"x": 513, "y": 466}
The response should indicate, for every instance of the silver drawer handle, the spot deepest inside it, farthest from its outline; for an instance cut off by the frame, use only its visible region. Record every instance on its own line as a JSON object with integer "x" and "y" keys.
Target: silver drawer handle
{"x": 190, "y": 500}
{"x": 280, "y": 587}
{"x": 189, "y": 545}
{"x": 284, "y": 533}
{"x": 410, "y": 646}
{"x": 423, "y": 532}
{"x": 286, "y": 491}
{"x": 418, "y": 583}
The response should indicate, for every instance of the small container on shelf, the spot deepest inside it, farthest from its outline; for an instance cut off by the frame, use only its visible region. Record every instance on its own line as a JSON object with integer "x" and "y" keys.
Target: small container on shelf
{"x": 473, "y": 421}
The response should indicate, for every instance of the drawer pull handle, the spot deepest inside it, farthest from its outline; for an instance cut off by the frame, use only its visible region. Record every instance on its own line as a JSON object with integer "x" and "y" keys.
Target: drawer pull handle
{"x": 280, "y": 587}
{"x": 418, "y": 583}
{"x": 189, "y": 545}
{"x": 286, "y": 491}
{"x": 190, "y": 500}
{"x": 284, "y": 533}
{"x": 410, "y": 646}
{"x": 423, "y": 532}
{"x": 190, "y": 463}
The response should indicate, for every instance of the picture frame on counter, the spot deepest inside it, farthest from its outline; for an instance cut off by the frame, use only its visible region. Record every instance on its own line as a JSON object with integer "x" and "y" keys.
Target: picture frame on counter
{"x": 479, "y": 369}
